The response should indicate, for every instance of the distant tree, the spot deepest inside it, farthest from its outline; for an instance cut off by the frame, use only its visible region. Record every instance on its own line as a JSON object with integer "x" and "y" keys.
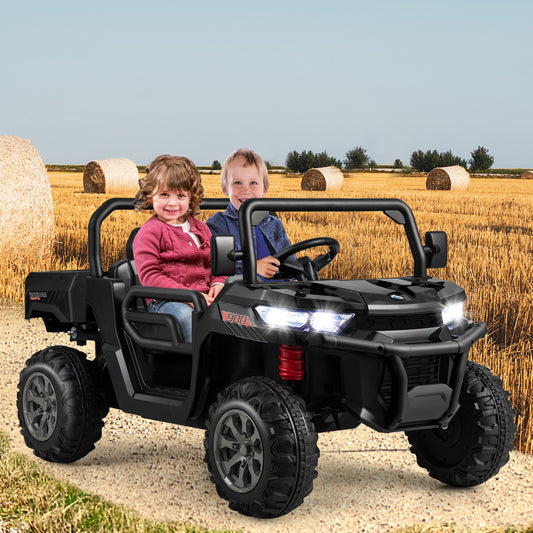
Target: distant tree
{"x": 307, "y": 161}
{"x": 480, "y": 160}
{"x": 426, "y": 162}
{"x": 300, "y": 162}
{"x": 292, "y": 160}
{"x": 398, "y": 163}
{"x": 295, "y": 161}
{"x": 372, "y": 163}
{"x": 447, "y": 159}
{"x": 324, "y": 160}
{"x": 356, "y": 158}
{"x": 216, "y": 165}
{"x": 268, "y": 165}
{"x": 417, "y": 160}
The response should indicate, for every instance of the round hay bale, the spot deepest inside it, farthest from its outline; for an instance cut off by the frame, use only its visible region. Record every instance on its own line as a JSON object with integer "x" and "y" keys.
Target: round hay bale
{"x": 448, "y": 178}
{"x": 322, "y": 179}
{"x": 110, "y": 176}
{"x": 27, "y": 214}
{"x": 527, "y": 175}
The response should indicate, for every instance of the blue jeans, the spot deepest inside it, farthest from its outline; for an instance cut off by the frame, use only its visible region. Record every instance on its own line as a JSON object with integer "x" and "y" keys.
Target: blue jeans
{"x": 180, "y": 310}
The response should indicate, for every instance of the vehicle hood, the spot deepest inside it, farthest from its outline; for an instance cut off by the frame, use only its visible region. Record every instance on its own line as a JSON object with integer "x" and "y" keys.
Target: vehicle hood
{"x": 393, "y": 296}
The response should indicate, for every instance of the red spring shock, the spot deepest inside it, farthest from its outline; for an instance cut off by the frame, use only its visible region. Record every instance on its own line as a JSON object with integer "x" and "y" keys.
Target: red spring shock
{"x": 291, "y": 364}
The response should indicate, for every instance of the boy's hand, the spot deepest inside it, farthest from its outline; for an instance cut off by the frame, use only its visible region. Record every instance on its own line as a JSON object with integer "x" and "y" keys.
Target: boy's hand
{"x": 268, "y": 266}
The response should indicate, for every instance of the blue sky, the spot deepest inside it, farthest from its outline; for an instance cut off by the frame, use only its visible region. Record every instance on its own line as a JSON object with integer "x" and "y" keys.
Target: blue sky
{"x": 97, "y": 80}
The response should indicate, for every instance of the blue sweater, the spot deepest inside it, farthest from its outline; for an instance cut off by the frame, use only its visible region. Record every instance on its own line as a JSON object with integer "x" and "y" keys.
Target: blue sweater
{"x": 271, "y": 227}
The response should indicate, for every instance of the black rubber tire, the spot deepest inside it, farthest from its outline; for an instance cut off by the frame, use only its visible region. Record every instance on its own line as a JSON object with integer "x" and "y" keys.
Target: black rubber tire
{"x": 72, "y": 397}
{"x": 478, "y": 440}
{"x": 285, "y": 445}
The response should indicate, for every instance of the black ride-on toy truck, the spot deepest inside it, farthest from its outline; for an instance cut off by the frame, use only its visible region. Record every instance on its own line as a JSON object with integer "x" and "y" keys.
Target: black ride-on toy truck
{"x": 271, "y": 363}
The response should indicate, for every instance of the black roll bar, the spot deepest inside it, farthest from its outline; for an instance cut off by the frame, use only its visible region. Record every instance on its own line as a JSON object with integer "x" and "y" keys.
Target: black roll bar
{"x": 123, "y": 204}
{"x": 392, "y": 207}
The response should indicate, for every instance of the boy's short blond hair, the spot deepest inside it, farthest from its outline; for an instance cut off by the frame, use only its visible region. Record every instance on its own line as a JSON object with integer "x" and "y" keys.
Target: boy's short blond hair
{"x": 250, "y": 158}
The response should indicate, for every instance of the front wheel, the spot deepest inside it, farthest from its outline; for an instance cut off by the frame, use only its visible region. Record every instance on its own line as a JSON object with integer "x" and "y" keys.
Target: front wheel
{"x": 59, "y": 404}
{"x": 477, "y": 442}
{"x": 261, "y": 448}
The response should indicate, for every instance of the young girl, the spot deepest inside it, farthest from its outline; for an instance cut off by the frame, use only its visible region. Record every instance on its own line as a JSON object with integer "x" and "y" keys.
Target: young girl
{"x": 172, "y": 249}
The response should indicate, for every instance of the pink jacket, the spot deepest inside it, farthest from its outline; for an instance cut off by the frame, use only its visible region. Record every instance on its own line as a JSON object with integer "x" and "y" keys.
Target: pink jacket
{"x": 166, "y": 256}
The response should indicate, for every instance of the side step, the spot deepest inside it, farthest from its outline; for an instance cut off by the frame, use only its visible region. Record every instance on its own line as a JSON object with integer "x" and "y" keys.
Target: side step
{"x": 167, "y": 392}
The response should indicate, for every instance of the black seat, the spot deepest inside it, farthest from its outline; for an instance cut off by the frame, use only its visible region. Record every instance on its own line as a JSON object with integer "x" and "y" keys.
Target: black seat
{"x": 125, "y": 269}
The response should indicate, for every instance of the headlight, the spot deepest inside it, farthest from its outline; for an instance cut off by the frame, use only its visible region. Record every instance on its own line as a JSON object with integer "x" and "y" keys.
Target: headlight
{"x": 301, "y": 320}
{"x": 452, "y": 314}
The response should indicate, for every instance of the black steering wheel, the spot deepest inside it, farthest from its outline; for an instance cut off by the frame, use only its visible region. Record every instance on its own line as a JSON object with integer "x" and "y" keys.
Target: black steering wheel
{"x": 304, "y": 268}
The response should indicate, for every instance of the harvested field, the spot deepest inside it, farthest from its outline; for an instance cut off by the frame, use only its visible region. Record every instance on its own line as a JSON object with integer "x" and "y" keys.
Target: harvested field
{"x": 367, "y": 481}
{"x": 490, "y": 230}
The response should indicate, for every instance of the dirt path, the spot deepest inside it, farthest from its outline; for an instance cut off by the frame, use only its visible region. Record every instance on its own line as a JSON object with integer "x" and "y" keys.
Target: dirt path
{"x": 367, "y": 481}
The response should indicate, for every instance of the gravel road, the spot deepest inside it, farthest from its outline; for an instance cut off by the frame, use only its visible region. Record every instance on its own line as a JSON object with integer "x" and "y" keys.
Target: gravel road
{"x": 367, "y": 481}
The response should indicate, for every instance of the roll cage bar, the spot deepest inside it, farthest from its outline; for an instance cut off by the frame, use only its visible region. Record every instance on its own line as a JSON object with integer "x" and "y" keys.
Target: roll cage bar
{"x": 396, "y": 209}
{"x": 122, "y": 204}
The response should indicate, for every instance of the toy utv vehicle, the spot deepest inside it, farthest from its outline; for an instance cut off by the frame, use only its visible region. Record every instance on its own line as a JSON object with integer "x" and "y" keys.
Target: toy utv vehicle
{"x": 271, "y": 364}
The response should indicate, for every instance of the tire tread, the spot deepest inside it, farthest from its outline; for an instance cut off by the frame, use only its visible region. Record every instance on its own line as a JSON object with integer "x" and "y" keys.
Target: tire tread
{"x": 493, "y": 432}
{"x": 82, "y": 406}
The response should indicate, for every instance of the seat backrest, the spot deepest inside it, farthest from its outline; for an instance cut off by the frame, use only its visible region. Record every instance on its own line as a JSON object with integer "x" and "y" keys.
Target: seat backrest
{"x": 125, "y": 269}
{"x": 129, "y": 244}
{"x": 129, "y": 254}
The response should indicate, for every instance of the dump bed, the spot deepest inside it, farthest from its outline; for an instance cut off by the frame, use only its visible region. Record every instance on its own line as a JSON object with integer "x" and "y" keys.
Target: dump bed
{"x": 61, "y": 295}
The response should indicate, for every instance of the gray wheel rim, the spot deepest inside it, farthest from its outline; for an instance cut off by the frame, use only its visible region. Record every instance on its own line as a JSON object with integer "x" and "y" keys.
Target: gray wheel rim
{"x": 238, "y": 451}
{"x": 40, "y": 406}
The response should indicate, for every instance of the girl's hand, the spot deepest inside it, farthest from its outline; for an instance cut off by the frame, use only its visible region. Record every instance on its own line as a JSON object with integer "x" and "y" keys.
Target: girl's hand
{"x": 268, "y": 266}
{"x": 208, "y": 299}
{"x": 214, "y": 290}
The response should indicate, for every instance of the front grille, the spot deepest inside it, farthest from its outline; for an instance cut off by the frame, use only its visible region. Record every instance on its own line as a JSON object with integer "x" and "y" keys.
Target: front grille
{"x": 421, "y": 370}
{"x": 394, "y": 323}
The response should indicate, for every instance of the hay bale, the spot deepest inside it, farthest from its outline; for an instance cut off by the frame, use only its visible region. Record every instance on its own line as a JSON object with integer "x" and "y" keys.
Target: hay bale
{"x": 448, "y": 178}
{"x": 26, "y": 215}
{"x": 527, "y": 175}
{"x": 110, "y": 176}
{"x": 322, "y": 179}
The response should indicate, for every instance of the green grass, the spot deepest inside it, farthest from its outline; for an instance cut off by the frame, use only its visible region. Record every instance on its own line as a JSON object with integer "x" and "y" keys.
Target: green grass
{"x": 452, "y": 528}
{"x": 32, "y": 500}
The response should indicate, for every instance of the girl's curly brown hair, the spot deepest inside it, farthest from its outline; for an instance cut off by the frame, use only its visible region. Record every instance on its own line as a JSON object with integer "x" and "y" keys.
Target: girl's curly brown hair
{"x": 174, "y": 173}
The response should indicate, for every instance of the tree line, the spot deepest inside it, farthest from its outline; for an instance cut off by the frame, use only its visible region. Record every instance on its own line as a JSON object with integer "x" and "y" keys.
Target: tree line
{"x": 480, "y": 160}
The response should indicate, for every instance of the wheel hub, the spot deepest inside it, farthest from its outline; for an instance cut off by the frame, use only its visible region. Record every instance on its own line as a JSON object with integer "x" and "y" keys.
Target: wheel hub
{"x": 239, "y": 450}
{"x": 40, "y": 406}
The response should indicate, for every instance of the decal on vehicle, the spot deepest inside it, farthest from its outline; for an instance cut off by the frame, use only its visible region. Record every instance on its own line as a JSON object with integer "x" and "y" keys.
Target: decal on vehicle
{"x": 396, "y": 296}
{"x": 36, "y": 296}
{"x": 234, "y": 318}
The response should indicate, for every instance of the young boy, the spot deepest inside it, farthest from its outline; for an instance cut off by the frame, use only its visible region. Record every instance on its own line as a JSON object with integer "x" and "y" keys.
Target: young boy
{"x": 244, "y": 175}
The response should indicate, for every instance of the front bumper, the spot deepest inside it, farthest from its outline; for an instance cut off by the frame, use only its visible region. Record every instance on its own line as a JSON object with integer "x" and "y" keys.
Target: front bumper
{"x": 411, "y": 406}
{"x": 459, "y": 345}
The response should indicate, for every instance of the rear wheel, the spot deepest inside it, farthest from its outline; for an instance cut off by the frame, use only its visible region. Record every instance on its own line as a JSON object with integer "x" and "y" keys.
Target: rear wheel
{"x": 477, "y": 442}
{"x": 60, "y": 406}
{"x": 261, "y": 448}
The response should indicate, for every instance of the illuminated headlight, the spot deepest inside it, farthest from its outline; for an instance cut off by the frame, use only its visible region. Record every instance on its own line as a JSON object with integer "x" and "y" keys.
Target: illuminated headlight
{"x": 300, "y": 320}
{"x": 452, "y": 314}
